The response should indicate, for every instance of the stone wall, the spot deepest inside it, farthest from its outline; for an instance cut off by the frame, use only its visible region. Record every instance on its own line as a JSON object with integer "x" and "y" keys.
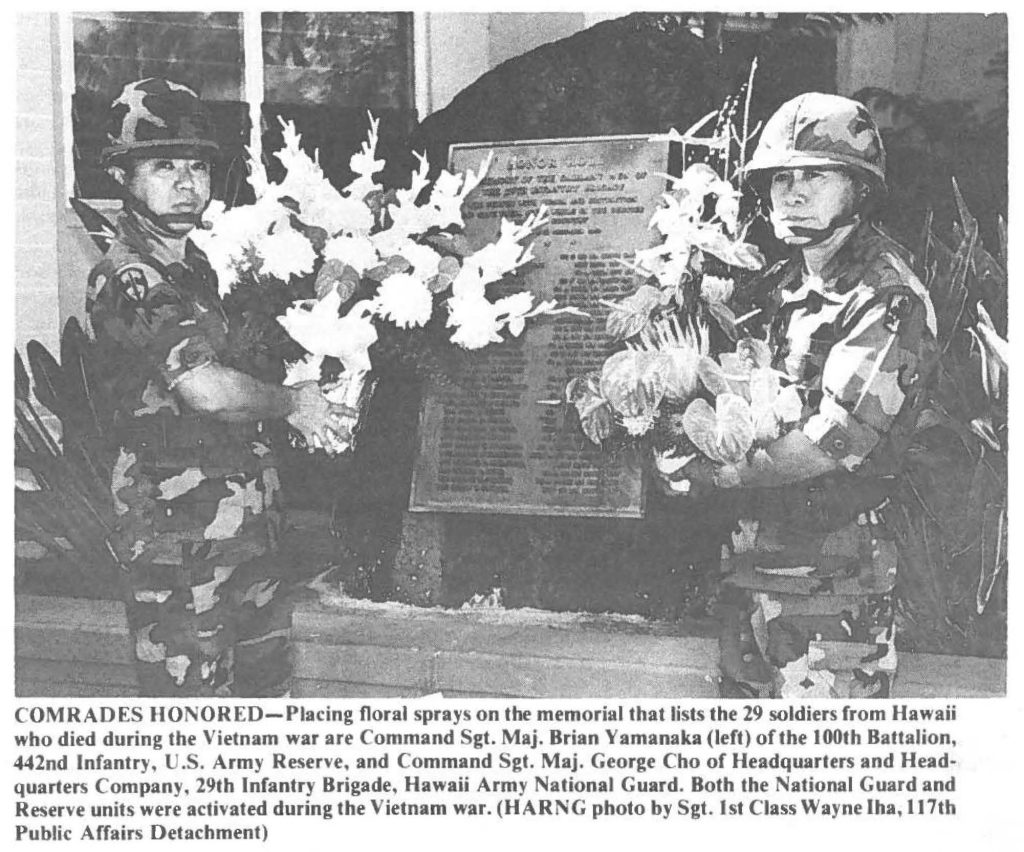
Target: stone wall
{"x": 352, "y": 649}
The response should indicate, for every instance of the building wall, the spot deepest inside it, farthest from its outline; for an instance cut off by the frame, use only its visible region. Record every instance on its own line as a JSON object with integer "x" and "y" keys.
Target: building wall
{"x": 35, "y": 230}
{"x": 936, "y": 56}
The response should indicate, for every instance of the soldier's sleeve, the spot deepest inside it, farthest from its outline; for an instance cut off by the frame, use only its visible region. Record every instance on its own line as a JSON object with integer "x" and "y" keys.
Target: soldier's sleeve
{"x": 172, "y": 336}
{"x": 867, "y": 375}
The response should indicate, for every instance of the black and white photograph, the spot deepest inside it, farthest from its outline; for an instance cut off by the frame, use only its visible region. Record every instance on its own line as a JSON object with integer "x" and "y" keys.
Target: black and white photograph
{"x": 453, "y": 356}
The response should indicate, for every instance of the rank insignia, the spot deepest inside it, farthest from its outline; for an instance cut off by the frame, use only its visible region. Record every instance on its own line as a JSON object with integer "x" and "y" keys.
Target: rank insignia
{"x": 896, "y": 311}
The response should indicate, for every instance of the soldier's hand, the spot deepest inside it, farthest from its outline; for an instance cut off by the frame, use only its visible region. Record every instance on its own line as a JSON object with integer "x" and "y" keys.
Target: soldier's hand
{"x": 315, "y": 417}
{"x": 684, "y": 476}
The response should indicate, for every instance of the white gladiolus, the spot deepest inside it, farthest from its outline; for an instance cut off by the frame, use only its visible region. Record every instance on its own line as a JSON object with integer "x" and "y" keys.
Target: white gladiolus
{"x": 357, "y": 252}
{"x": 316, "y": 326}
{"x": 361, "y": 228}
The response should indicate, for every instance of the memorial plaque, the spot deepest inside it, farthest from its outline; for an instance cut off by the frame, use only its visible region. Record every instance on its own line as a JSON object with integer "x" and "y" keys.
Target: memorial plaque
{"x": 487, "y": 444}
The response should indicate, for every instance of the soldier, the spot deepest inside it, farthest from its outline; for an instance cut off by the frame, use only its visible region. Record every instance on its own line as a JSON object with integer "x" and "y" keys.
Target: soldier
{"x": 812, "y": 567}
{"x": 194, "y": 484}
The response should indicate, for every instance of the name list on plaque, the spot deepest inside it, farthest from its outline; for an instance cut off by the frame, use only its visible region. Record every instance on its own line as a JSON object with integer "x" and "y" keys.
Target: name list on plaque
{"x": 487, "y": 444}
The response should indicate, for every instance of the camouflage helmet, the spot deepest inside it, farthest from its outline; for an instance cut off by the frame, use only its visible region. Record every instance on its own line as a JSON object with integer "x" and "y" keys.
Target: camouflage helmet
{"x": 158, "y": 118}
{"x": 816, "y": 129}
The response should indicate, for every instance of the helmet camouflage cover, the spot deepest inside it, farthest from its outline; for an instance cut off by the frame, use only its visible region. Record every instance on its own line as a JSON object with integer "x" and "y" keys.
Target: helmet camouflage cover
{"x": 158, "y": 118}
{"x": 816, "y": 129}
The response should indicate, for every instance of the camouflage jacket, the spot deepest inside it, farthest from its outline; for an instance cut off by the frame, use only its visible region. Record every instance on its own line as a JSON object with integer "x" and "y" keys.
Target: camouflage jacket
{"x": 858, "y": 342}
{"x": 184, "y": 484}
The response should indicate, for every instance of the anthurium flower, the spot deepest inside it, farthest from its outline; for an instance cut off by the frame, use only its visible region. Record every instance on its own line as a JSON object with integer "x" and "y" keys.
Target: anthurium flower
{"x": 632, "y": 383}
{"x": 725, "y": 433}
{"x": 716, "y": 289}
{"x": 315, "y": 325}
{"x": 771, "y": 404}
{"x": 593, "y": 409}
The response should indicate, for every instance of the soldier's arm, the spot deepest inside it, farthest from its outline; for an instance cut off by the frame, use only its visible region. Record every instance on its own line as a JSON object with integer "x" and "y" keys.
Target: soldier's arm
{"x": 230, "y": 395}
{"x": 183, "y": 344}
{"x": 863, "y": 389}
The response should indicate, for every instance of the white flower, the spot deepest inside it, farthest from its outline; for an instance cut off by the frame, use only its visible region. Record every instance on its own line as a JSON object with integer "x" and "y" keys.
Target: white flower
{"x": 475, "y": 320}
{"x": 325, "y": 208}
{"x": 286, "y": 253}
{"x": 639, "y": 424}
{"x": 495, "y": 260}
{"x": 316, "y": 326}
{"x": 306, "y": 370}
{"x": 405, "y": 300}
{"x": 357, "y": 252}
{"x": 408, "y": 219}
{"x": 424, "y": 259}
{"x": 664, "y": 263}
{"x": 231, "y": 232}
{"x": 727, "y": 209}
{"x": 450, "y": 192}
{"x": 715, "y": 289}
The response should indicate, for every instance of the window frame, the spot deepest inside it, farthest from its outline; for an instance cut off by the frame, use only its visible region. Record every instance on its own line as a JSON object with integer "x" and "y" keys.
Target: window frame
{"x": 252, "y": 86}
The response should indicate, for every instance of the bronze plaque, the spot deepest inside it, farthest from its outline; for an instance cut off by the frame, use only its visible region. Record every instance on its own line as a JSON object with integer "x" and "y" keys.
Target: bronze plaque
{"x": 487, "y": 444}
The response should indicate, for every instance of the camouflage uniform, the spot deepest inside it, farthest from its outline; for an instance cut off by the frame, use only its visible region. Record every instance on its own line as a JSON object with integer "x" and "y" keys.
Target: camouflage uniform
{"x": 814, "y": 563}
{"x": 196, "y": 498}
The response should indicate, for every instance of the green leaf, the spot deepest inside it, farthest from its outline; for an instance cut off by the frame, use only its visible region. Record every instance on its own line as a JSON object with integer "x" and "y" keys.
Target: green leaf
{"x": 633, "y": 313}
{"x": 336, "y": 274}
{"x": 449, "y": 266}
{"x": 439, "y": 283}
{"x": 378, "y": 273}
{"x": 725, "y": 318}
{"x": 593, "y": 410}
{"x": 450, "y": 244}
{"x": 397, "y": 264}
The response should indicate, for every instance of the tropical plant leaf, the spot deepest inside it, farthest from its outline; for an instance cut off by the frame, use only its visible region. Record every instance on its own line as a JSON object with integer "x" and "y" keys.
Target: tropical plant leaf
{"x": 949, "y": 293}
{"x": 96, "y": 224}
{"x": 48, "y": 382}
{"x": 713, "y": 376}
{"x": 632, "y": 314}
{"x": 632, "y": 382}
{"x": 22, "y": 383}
{"x": 455, "y": 245}
{"x": 594, "y": 413}
{"x": 725, "y": 318}
{"x": 993, "y": 554}
{"x": 1002, "y": 242}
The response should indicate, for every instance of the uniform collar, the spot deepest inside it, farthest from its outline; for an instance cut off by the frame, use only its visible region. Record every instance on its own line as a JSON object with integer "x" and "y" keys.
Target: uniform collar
{"x": 141, "y": 234}
{"x": 831, "y": 285}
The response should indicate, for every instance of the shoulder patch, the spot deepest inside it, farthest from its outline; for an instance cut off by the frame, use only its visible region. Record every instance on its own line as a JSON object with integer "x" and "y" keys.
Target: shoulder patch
{"x": 134, "y": 280}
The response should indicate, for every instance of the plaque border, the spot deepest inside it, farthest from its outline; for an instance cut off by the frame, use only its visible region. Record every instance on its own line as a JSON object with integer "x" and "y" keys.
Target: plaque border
{"x": 425, "y": 506}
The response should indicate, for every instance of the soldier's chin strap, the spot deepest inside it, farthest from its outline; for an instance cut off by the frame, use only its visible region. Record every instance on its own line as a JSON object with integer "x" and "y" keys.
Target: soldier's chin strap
{"x": 158, "y": 220}
{"x": 815, "y": 236}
